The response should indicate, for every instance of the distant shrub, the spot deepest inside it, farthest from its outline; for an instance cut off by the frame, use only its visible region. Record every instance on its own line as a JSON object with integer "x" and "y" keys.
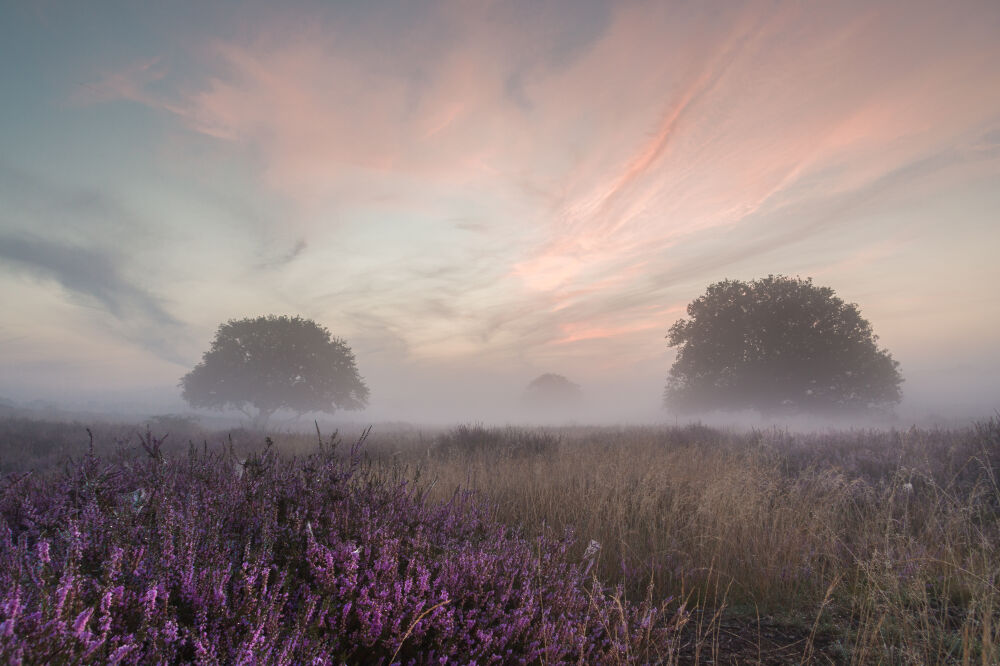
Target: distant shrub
{"x": 212, "y": 559}
{"x": 514, "y": 442}
{"x": 28, "y": 444}
{"x": 178, "y": 426}
{"x": 32, "y": 444}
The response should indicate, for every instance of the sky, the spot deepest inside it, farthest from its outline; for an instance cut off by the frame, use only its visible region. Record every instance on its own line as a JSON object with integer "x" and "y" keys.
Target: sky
{"x": 472, "y": 194}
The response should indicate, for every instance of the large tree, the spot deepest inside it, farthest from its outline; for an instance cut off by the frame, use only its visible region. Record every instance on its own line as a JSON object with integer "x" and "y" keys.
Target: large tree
{"x": 271, "y": 363}
{"x": 778, "y": 344}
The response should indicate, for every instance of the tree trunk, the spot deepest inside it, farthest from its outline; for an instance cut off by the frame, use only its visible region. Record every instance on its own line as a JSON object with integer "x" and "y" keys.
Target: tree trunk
{"x": 263, "y": 416}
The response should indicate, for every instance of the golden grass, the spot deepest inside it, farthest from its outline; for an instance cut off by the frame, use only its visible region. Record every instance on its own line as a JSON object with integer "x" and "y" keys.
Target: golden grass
{"x": 885, "y": 544}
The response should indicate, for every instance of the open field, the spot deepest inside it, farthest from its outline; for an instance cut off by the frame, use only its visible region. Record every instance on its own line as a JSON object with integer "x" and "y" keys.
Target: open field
{"x": 767, "y": 546}
{"x": 883, "y": 545}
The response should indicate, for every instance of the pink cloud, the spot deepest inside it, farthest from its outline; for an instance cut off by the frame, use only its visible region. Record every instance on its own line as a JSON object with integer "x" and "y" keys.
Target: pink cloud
{"x": 675, "y": 122}
{"x": 577, "y": 331}
{"x": 787, "y": 109}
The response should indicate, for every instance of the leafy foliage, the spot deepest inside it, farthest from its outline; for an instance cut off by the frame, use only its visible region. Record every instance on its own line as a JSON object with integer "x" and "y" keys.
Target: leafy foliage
{"x": 776, "y": 344}
{"x": 552, "y": 391}
{"x": 273, "y": 363}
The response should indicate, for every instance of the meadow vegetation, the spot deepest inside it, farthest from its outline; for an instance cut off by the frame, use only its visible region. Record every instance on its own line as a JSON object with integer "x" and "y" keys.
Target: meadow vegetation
{"x": 881, "y": 545}
{"x": 214, "y": 558}
{"x": 715, "y": 546}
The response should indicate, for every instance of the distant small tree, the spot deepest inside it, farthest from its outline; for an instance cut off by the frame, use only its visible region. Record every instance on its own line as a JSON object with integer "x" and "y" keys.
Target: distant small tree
{"x": 271, "y": 363}
{"x": 552, "y": 391}
{"x": 778, "y": 344}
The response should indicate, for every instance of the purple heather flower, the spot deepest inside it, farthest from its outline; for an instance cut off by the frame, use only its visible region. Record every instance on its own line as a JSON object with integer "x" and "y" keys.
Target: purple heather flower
{"x": 80, "y": 624}
{"x": 43, "y": 552}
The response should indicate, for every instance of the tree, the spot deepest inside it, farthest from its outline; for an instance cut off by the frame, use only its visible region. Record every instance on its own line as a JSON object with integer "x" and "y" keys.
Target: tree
{"x": 778, "y": 344}
{"x": 552, "y": 392}
{"x": 271, "y": 363}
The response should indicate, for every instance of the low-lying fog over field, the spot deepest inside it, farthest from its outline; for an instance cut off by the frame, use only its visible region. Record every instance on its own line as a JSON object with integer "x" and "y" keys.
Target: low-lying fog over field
{"x": 500, "y": 332}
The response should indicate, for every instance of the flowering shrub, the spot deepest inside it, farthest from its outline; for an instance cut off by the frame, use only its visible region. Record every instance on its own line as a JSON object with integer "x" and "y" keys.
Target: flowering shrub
{"x": 207, "y": 559}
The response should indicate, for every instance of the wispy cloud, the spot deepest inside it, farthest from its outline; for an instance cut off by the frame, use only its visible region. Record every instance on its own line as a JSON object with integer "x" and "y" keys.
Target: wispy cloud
{"x": 93, "y": 277}
{"x": 602, "y": 167}
{"x": 85, "y": 272}
{"x": 81, "y": 239}
{"x": 283, "y": 259}
{"x": 38, "y": 205}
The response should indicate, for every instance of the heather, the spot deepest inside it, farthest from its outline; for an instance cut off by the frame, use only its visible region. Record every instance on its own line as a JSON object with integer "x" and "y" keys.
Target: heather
{"x": 208, "y": 557}
{"x": 783, "y": 547}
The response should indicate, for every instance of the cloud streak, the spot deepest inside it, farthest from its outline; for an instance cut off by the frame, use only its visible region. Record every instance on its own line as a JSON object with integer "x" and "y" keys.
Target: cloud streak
{"x": 525, "y": 189}
{"x": 93, "y": 278}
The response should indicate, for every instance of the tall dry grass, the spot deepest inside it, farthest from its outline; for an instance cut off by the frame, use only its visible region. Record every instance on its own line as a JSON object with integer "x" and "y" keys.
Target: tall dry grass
{"x": 886, "y": 543}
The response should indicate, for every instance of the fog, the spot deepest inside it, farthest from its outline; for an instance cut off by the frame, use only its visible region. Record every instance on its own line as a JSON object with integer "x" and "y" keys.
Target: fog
{"x": 933, "y": 396}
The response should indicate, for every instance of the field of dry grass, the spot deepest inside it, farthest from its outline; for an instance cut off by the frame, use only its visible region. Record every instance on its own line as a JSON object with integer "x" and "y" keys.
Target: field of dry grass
{"x": 852, "y": 547}
{"x": 842, "y": 547}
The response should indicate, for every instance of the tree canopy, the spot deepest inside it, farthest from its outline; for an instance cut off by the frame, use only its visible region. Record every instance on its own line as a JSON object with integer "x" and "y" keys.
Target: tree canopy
{"x": 778, "y": 344}
{"x": 271, "y": 363}
{"x": 552, "y": 391}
